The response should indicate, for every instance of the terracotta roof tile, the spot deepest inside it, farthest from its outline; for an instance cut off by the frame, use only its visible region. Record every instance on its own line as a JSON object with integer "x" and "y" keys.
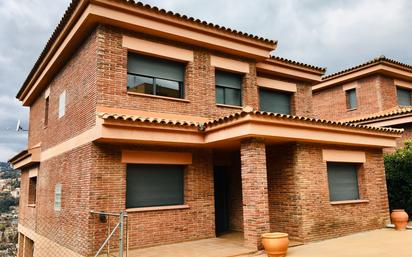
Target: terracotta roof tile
{"x": 281, "y": 59}
{"x": 377, "y": 60}
{"x": 379, "y": 115}
{"x": 241, "y": 114}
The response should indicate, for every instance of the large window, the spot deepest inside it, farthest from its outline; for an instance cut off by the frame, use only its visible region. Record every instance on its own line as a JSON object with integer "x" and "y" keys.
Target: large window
{"x": 154, "y": 185}
{"x": 404, "y": 96}
{"x": 274, "y": 101}
{"x": 351, "y": 102}
{"x": 343, "y": 181}
{"x": 228, "y": 88}
{"x": 154, "y": 76}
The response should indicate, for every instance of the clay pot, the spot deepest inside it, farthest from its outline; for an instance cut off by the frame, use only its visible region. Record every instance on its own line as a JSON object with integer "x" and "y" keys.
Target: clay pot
{"x": 276, "y": 244}
{"x": 400, "y": 218}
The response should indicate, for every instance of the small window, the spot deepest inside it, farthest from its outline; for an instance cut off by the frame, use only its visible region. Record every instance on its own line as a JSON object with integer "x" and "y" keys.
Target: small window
{"x": 404, "y": 96}
{"x": 46, "y": 111}
{"x": 154, "y": 185}
{"x": 343, "y": 181}
{"x": 154, "y": 76}
{"x": 62, "y": 104}
{"x": 58, "y": 197}
{"x": 351, "y": 102}
{"x": 32, "y": 190}
{"x": 274, "y": 101}
{"x": 228, "y": 88}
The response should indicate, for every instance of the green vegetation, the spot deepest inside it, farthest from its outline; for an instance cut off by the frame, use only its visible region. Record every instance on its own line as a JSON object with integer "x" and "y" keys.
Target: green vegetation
{"x": 398, "y": 168}
{"x": 6, "y": 201}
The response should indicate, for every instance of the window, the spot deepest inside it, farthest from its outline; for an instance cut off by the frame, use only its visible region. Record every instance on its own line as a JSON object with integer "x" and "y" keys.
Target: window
{"x": 46, "y": 111}
{"x": 58, "y": 197}
{"x": 351, "y": 102}
{"x": 343, "y": 181}
{"x": 274, "y": 101}
{"x": 228, "y": 88}
{"x": 154, "y": 185}
{"x": 62, "y": 104}
{"x": 149, "y": 75}
{"x": 32, "y": 190}
{"x": 404, "y": 96}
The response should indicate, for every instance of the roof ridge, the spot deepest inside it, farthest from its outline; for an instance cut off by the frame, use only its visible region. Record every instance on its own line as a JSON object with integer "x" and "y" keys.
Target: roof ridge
{"x": 376, "y": 60}
{"x": 289, "y": 61}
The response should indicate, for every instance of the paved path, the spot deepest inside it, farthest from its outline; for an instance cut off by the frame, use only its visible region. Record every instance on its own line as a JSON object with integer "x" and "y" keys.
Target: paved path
{"x": 383, "y": 242}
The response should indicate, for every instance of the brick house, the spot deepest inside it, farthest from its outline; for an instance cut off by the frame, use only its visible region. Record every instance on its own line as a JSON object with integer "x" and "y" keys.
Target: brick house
{"x": 193, "y": 129}
{"x": 375, "y": 93}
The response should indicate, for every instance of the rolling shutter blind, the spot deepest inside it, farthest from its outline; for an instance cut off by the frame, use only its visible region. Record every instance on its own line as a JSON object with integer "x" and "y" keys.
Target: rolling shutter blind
{"x": 274, "y": 101}
{"x": 154, "y": 185}
{"x": 404, "y": 96}
{"x": 343, "y": 181}
{"x": 154, "y": 67}
{"x": 227, "y": 79}
{"x": 351, "y": 98}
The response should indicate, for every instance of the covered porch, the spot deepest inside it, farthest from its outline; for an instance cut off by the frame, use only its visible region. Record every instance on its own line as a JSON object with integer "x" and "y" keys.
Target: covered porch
{"x": 258, "y": 170}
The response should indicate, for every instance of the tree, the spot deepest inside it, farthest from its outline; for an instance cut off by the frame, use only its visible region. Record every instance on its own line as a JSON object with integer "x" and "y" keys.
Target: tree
{"x": 398, "y": 166}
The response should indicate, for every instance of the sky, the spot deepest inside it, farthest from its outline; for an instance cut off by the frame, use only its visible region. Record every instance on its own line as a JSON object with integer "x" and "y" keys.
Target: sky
{"x": 333, "y": 34}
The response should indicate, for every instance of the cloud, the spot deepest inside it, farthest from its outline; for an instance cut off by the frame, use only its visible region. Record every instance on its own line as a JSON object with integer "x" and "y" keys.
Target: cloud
{"x": 333, "y": 34}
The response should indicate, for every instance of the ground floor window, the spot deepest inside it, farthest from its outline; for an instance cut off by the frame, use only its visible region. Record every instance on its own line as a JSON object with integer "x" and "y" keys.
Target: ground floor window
{"x": 154, "y": 185}
{"x": 343, "y": 181}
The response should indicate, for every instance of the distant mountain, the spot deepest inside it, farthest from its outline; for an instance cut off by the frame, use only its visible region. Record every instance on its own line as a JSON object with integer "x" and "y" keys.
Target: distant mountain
{"x": 5, "y": 166}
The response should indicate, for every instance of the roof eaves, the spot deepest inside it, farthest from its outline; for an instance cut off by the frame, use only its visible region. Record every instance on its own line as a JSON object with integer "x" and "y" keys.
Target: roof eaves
{"x": 300, "y": 64}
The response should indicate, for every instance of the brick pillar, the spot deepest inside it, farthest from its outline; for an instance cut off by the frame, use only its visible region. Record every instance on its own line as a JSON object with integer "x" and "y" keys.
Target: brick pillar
{"x": 254, "y": 191}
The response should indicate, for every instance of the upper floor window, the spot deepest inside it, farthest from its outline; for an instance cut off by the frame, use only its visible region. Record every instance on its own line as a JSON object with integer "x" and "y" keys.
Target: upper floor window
{"x": 274, "y": 101}
{"x": 404, "y": 96}
{"x": 154, "y": 76}
{"x": 32, "y": 190}
{"x": 228, "y": 88}
{"x": 58, "y": 197}
{"x": 46, "y": 111}
{"x": 343, "y": 181}
{"x": 351, "y": 102}
{"x": 62, "y": 104}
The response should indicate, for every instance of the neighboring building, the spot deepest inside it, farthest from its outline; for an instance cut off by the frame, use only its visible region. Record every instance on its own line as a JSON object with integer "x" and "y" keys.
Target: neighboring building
{"x": 376, "y": 93}
{"x": 138, "y": 109}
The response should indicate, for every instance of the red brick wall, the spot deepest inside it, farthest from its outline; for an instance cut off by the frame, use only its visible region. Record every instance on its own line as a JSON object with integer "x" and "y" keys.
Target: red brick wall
{"x": 78, "y": 78}
{"x": 374, "y": 93}
{"x": 107, "y": 193}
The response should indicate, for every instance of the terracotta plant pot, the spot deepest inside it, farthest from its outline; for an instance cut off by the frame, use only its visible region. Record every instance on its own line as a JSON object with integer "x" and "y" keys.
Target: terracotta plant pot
{"x": 399, "y": 218}
{"x": 276, "y": 244}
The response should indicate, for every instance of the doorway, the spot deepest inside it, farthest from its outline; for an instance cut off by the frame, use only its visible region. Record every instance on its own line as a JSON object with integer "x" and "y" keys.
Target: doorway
{"x": 221, "y": 200}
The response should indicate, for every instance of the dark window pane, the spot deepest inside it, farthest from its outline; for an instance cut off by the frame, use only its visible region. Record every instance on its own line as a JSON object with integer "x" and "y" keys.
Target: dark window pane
{"x": 351, "y": 99}
{"x": 220, "y": 96}
{"x": 404, "y": 96}
{"x": 154, "y": 185}
{"x": 274, "y": 101}
{"x": 155, "y": 67}
{"x": 232, "y": 96}
{"x": 228, "y": 79}
{"x": 343, "y": 181}
{"x": 168, "y": 88}
{"x": 139, "y": 84}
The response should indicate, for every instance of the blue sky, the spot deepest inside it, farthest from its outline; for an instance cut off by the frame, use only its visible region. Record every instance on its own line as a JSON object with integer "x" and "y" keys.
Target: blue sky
{"x": 334, "y": 34}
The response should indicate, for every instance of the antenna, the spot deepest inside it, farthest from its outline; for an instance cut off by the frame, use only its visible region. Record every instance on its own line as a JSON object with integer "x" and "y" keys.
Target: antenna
{"x": 18, "y": 127}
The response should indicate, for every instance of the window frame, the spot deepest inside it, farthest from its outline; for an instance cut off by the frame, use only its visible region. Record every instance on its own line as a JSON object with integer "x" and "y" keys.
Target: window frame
{"x": 357, "y": 169}
{"x": 405, "y": 90}
{"x": 32, "y": 196}
{"x": 348, "y": 103}
{"x": 154, "y": 85}
{"x": 225, "y": 88}
{"x": 182, "y": 186}
{"x": 289, "y": 94}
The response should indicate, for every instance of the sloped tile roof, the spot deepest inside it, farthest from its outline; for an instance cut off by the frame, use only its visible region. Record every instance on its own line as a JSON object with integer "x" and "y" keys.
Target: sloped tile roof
{"x": 377, "y": 60}
{"x": 238, "y": 115}
{"x": 379, "y": 115}
{"x": 288, "y": 61}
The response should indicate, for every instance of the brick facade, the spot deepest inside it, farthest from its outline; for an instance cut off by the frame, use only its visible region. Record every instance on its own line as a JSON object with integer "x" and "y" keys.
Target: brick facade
{"x": 374, "y": 94}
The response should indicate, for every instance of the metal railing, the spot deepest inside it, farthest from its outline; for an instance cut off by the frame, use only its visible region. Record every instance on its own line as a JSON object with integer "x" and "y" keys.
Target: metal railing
{"x": 120, "y": 226}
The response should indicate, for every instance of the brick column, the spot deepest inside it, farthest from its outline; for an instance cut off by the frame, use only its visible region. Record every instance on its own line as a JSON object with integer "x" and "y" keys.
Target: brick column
{"x": 254, "y": 191}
